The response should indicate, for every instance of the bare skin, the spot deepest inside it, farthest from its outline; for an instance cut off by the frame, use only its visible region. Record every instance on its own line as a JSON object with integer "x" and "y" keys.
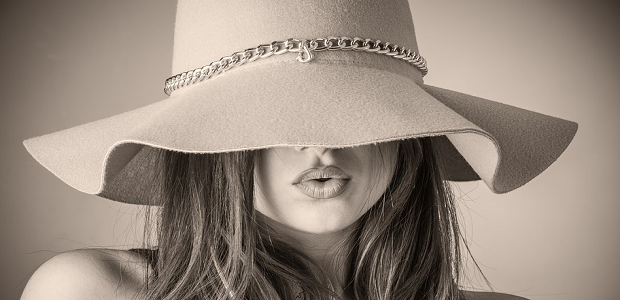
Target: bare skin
{"x": 116, "y": 274}
{"x": 89, "y": 274}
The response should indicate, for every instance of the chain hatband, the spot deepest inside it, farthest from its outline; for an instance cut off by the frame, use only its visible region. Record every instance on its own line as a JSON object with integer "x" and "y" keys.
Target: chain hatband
{"x": 305, "y": 48}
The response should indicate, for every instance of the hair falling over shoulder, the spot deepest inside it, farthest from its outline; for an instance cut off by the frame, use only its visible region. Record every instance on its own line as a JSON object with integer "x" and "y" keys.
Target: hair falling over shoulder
{"x": 213, "y": 245}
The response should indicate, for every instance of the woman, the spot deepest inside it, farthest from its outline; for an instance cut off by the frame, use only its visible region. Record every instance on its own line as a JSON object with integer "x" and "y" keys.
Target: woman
{"x": 312, "y": 178}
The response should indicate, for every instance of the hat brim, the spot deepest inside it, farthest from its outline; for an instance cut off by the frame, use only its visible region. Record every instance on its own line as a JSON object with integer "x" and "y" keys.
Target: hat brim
{"x": 331, "y": 105}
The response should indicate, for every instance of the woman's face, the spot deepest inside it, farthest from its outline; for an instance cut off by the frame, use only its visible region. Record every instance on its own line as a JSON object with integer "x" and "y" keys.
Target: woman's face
{"x": 322, "y": 190}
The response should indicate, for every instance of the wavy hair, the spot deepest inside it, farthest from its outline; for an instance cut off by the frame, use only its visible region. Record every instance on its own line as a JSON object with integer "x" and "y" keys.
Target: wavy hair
{"x": 212, "y": 244}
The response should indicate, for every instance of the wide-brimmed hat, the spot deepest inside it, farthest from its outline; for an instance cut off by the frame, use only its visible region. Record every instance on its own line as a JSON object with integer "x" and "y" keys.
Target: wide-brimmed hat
{"x": 330, "y": 73}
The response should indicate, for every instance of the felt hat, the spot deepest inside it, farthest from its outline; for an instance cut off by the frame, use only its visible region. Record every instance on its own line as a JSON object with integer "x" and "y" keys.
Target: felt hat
{"x": 253, "y": 74}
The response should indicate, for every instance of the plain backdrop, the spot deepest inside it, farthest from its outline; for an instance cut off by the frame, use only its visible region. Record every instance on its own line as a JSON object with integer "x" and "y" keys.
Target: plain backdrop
{"x": 67, "y": 62}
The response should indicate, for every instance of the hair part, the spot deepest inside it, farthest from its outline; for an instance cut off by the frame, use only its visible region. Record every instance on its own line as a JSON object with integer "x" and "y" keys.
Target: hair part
{"x": 212, "y": 243}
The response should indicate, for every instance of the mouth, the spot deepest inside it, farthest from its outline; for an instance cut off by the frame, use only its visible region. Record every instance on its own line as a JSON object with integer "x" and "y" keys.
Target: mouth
{"x": 322, "y": 183}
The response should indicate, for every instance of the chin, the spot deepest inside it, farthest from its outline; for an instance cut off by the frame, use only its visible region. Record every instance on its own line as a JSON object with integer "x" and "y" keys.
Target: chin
{"x": 323, "y": 227}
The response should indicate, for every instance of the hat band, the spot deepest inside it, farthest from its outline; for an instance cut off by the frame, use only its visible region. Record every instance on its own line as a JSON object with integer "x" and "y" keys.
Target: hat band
{"x": 305, "y": 48}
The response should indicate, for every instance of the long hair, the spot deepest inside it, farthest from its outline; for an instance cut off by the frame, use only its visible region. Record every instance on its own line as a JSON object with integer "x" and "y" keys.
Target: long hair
{"x": 213, "y": 245}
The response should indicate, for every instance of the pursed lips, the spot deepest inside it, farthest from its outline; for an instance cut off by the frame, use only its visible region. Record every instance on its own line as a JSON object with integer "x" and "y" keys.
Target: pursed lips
{"x": 328, "y": 172}
{"x": 322, "y": 183}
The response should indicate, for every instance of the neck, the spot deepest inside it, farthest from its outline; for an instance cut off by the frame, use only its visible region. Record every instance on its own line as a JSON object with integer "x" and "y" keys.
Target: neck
{"x": 328, "y": 250}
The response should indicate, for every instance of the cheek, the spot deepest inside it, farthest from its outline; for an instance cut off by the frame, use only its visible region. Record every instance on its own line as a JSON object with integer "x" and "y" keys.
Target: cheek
{"x": 379, "y": 169}
{"x": 371, "y": 191}
{"x": 264, "y": 201}
{"x": 273, "y": 182}
{"x": 375, "y": 172}
{"x": 265, "y": 177}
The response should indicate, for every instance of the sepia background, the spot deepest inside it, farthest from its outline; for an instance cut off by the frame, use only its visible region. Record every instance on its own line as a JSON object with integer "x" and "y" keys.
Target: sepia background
{"x": 67, "y": 62}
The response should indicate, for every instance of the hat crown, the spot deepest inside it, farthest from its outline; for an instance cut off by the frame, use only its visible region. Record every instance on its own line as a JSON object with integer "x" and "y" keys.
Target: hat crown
{"x": 205, "y": 31}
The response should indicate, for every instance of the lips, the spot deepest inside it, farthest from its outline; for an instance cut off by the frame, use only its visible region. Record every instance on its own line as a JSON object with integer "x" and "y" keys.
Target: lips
{"x": 322, "y": 183}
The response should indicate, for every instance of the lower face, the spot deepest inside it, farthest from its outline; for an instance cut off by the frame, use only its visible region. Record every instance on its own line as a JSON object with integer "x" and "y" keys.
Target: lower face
{"x": 322, "y": 190}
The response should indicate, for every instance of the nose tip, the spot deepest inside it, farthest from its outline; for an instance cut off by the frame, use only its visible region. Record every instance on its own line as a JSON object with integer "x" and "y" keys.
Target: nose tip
{"x": 317, "y": 150}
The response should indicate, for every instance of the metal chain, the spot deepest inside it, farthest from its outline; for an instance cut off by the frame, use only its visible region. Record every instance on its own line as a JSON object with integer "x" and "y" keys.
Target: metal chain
{"x": 305, "y": 48}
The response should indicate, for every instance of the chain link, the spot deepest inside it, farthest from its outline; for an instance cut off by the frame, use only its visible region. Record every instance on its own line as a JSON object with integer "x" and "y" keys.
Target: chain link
{"x": 303, "y": 47}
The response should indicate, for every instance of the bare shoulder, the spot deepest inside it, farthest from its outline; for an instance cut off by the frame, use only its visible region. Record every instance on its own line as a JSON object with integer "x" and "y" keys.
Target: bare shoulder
{"x": 469, "y": 295}
{"x": 89, "y": 274}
